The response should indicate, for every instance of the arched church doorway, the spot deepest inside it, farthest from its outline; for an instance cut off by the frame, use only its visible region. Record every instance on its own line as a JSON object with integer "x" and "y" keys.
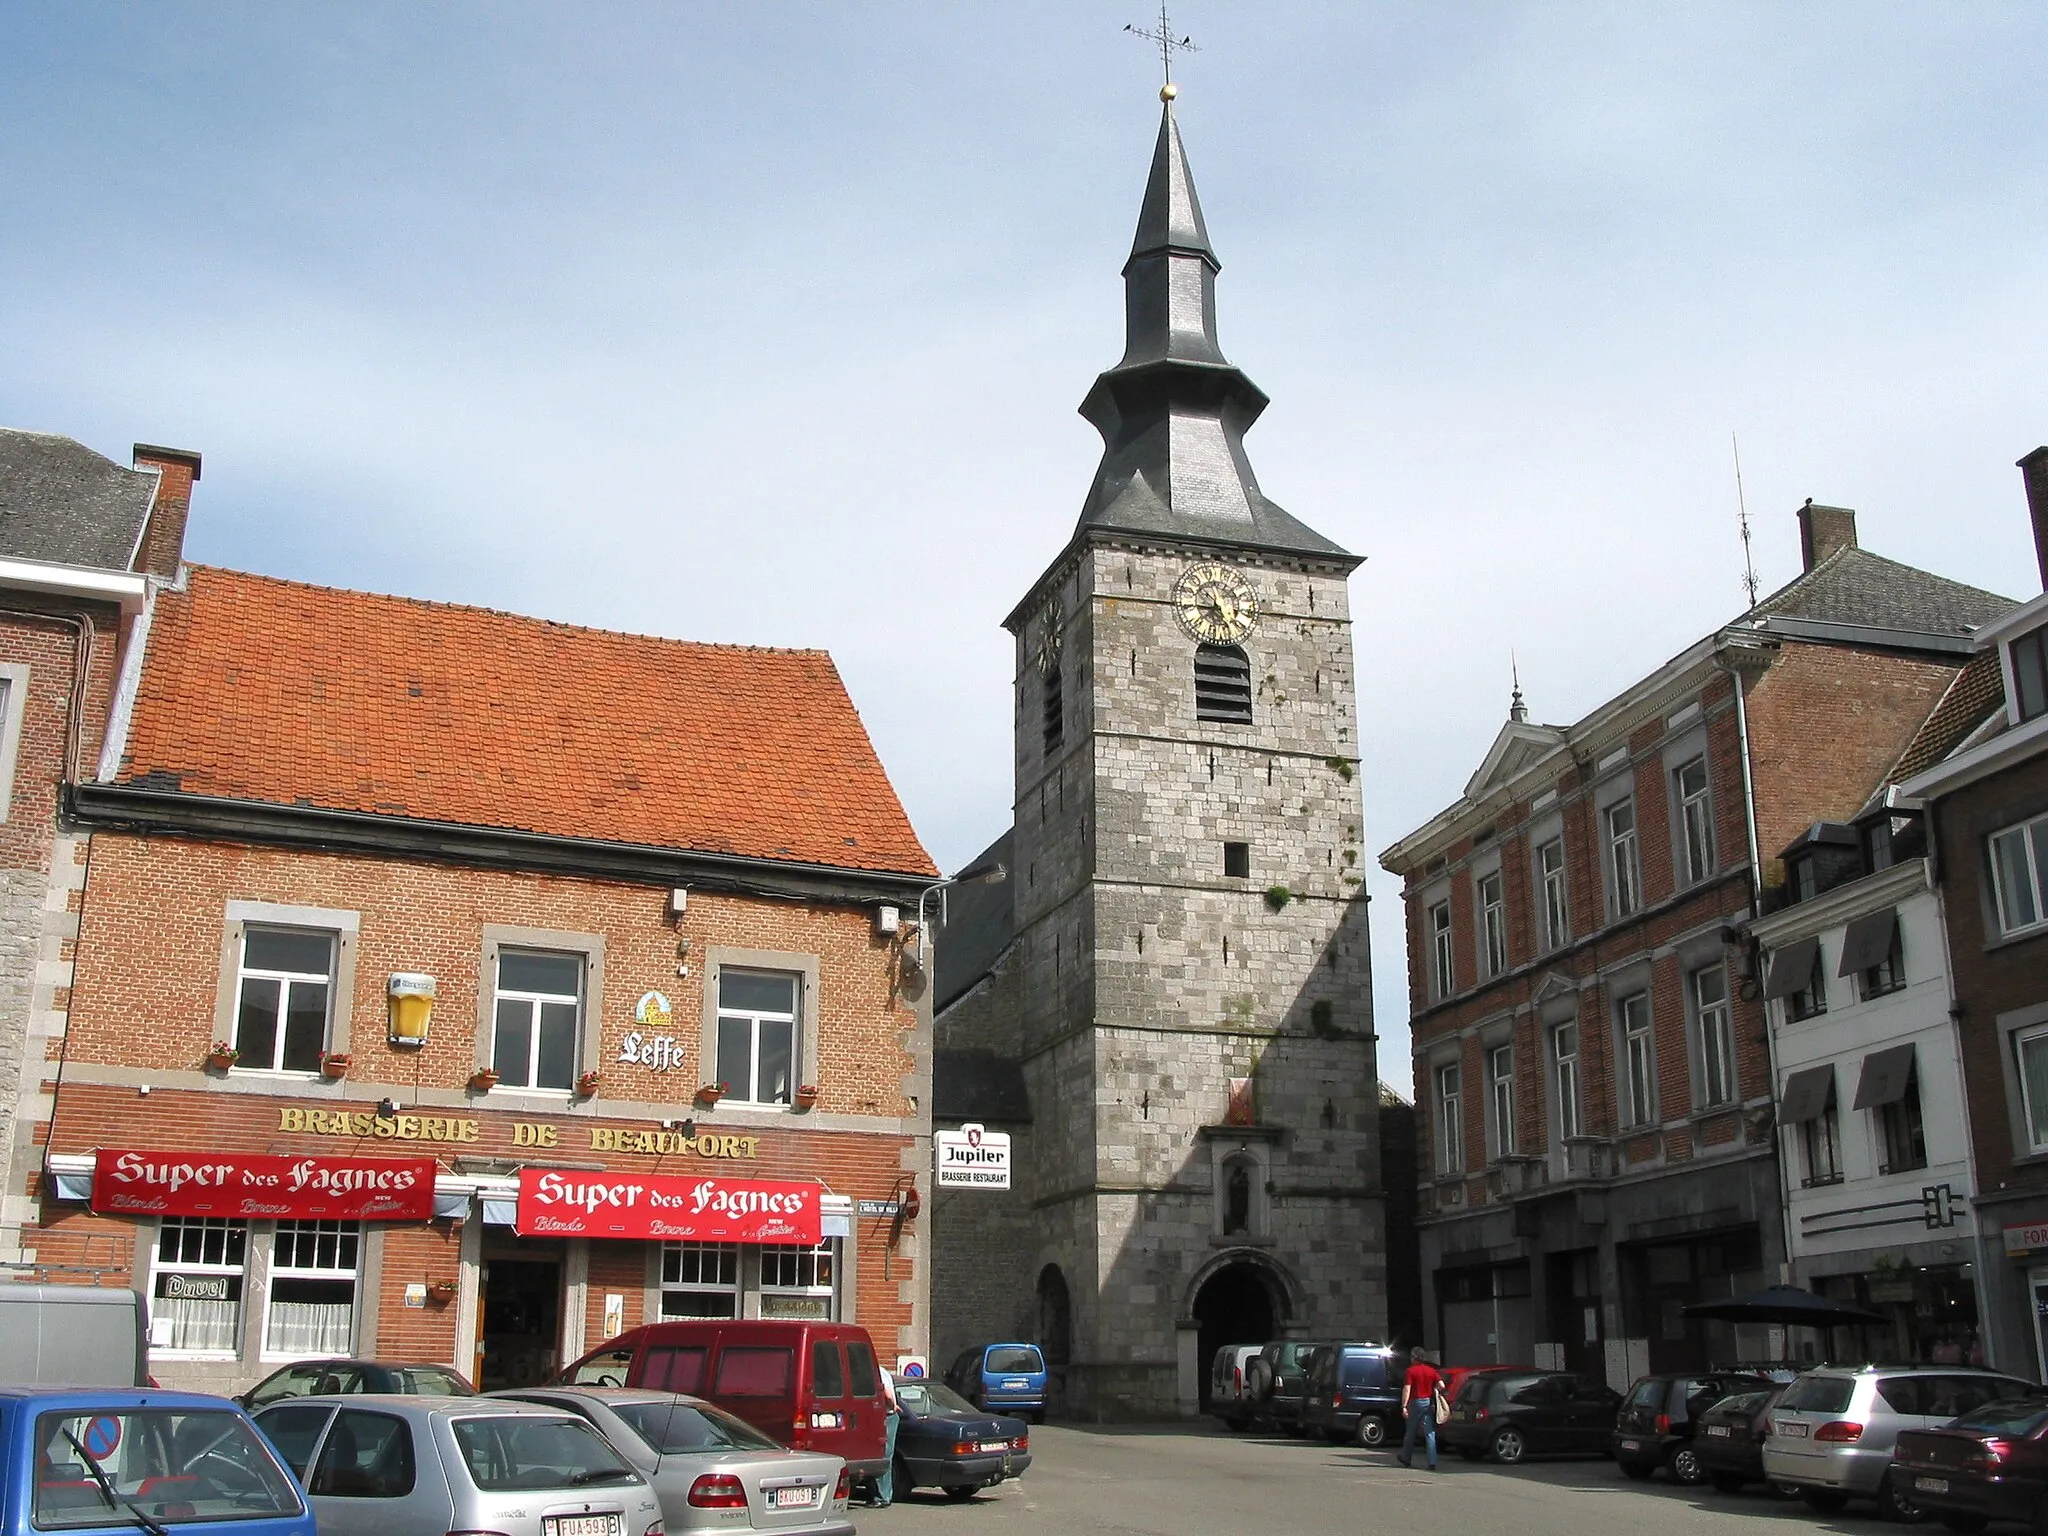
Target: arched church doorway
{"x": 1234, "y": 1306}
{"x": 1055, "y": 1328}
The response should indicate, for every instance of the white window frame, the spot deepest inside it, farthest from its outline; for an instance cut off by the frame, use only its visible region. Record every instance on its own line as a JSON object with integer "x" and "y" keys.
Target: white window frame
{"x": 13, "y": 703}
{"x": 1442, "y": 968}
{"x": 1624, "y": 857}
{"x": 1500, "y": 1068}
{"x": 1450, "y": 1119}
{"x": 286, "y": 981}
{"x": 501, "y": 994}
{"x": 2031, "y": 835}
{"x": 342, "y": 1232}
{"x": 1557, "y": 912}
{"x": 723, "y": 1257}
{"x": 1493, "y": 921}
{"x": 1717, "y": 1038}
{"x": 755, "y": 1018}
{"x": 2034, "y": 1118}
{"x": 158, "y": 1265}
{"x": 807, "y": 1264}
{"x": 1695, "y": 819}
{"x": 1566, "y": 1065}
{"x": 1639, "y": 1058}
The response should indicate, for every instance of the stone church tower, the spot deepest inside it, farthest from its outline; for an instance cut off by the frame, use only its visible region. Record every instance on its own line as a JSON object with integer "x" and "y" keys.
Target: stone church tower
{"x": 1168, "y": 1003}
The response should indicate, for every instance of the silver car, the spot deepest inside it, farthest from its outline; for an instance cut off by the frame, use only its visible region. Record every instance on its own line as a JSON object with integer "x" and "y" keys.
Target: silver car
{"x": 423, "y": 1466}
{"x": 708, "y": 1466}
{"x": 1832, "y": 1433}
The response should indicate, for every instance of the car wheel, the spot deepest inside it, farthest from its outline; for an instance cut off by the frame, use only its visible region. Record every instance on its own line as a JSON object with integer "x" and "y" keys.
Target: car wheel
{"x": 1964, "y": 1525}
{"x": 1894, "y": 1504}
{"x": 1636, "y": 1471}
{"x": 1508, "y": 1446}
{"x": 1728, "y": 1482}
{"x": 1371, "y": 1431}
{"x": 899, "y": 1478}
{"x": 1686, "y": 1468}
{"x": 1823, "y": 1500}
{"x": 960, "y": 1492}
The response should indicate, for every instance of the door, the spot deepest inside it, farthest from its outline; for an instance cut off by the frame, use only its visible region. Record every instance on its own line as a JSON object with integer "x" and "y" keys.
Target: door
{"x": 1591, "y": 1413}
{"x": 522, "y": 1323}
{"x": 1537, "y": 1408}
{"x": 366, "y": 1480}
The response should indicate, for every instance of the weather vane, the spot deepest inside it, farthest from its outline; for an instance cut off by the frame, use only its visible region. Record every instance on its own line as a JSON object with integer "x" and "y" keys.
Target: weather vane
{"x": 1168, "y": 46}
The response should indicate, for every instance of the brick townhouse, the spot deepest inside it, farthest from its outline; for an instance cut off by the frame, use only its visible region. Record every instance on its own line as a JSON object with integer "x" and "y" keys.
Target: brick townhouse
{"x": 458, "y": 986}
{"x": 82, "y": 539}
{"x": 1592, "y": 1077}
{"x": 1987, "y": 809}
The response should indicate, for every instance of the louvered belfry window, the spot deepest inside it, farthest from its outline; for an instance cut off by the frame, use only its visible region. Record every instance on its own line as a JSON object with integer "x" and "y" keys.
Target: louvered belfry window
{"x": 1223, "y": 685}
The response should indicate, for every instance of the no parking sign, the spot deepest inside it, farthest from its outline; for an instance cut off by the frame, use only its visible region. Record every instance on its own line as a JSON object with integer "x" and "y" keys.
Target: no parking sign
{"x": 102, "y": 1437}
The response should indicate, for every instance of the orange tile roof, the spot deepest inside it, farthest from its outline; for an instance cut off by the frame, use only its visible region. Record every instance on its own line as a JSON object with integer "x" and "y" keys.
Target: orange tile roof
{"x": 286, "y": 694}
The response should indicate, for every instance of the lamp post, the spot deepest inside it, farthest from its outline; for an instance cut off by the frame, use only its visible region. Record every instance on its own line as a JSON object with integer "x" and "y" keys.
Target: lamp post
{"x": 991, "y": 873}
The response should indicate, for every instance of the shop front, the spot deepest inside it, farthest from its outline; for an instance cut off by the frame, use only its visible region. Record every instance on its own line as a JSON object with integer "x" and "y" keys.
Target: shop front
{"x": 2017, "y": 1292}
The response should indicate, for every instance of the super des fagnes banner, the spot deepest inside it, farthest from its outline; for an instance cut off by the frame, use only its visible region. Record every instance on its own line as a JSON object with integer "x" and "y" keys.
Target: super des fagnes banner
{"x": 241, "y": 1185}
{"x": 565, "y": 1202}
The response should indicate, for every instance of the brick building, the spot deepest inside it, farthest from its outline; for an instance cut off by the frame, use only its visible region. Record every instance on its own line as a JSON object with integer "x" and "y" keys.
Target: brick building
{"x": 673, "y": 1064}
{"x": 1592, "y": 1074}
{"x": 82, "y": 541}
{"x": 1987, "y": 809}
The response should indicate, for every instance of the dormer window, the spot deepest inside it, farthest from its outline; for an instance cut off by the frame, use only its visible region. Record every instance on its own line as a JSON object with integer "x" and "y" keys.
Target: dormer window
{"x": 2029, "y": 655}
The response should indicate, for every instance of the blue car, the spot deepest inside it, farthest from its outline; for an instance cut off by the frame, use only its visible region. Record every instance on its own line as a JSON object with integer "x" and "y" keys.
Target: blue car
{"x": 123, "y": 1459}
{"x": 1002, "y": 1378}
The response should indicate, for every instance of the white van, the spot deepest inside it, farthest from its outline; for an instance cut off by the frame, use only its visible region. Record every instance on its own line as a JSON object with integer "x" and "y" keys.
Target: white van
{"x": 1227, "y": 1397}
{"x": 73, "y": 1335}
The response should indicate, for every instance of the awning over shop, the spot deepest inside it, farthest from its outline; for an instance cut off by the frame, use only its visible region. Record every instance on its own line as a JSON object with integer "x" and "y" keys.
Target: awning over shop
{"x": 1791, "y": 967}
{"x": 1867, "y": 942}
{"x": 1885, "y": 1076}
{"x": 1808, "y": 1093}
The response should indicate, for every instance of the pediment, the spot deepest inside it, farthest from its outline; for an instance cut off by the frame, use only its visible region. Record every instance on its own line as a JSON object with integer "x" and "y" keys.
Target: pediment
{"x": 1518, "y": 748}
{"x": 1553, "y": 984}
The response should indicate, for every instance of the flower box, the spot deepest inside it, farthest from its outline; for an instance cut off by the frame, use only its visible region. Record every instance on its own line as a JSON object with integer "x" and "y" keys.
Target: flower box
{"x": 710, "y": 1093}
{"x": 483, "y": 1079}
{"x": 334, "y": 1063}
{"x": 586, "y": 1085}
{"x": 222, "y": 1056}
{"x": 807, "y": 1096}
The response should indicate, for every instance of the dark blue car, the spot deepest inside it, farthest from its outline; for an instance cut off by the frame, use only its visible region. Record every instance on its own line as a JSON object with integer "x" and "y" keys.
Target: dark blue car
{"x": 1002, "y": 1378}
{"x": 944, "y": 1441}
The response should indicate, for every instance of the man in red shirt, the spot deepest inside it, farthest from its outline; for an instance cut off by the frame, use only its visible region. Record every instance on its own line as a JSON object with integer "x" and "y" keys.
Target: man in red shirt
{"x": 1418, "y": 1405}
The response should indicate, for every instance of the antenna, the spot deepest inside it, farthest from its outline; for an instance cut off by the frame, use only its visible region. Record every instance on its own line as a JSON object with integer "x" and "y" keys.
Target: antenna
{"x": 1168, "y": 46}
{"x": 1742, "y": 521}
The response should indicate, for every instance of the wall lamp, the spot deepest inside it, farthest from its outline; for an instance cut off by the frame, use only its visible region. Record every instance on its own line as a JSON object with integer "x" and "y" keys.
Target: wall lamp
{"x": 991, "y": 873}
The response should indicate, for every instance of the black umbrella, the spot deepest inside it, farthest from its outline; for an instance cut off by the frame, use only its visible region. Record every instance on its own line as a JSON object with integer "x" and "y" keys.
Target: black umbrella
{"x": 1784, "y": 1304}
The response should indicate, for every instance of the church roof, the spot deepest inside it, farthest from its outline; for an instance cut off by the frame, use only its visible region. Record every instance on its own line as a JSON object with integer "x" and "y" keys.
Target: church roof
{"x": 981, "y": 920}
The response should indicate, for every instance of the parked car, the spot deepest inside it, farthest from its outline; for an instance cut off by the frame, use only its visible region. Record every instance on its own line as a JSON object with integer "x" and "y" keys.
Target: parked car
{"x": 1991, "y": 1464}
{"x": 1658, "y": 1416}
{"x": 1729, "y": 1440}
{"x": 72, "y": 1335}
{"x": 1454, "y": 1375}
{"x": 403, "y": 1466}
{"x": 1509, "y": 1414}
{"x": 1229, "y": 1397}
{"x": 1354, "y": 1393}
{"x": 1002, "y": 1378}
{"x": 315, "y": 1378}
{"x": 944, "y": 1441}
{"x": 1276, "y": 1381}
{"x": 1833, "y": 1431}
{"x": 809, "y": 1386}
{"x": 87, "y": 1458}
{"x": 705, "y": 1464}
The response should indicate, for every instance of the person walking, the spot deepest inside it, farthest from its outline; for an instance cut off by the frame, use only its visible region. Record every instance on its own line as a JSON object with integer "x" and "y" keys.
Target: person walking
{"x": 1419, "y": 1389}
{"x": 885, "y": 1485}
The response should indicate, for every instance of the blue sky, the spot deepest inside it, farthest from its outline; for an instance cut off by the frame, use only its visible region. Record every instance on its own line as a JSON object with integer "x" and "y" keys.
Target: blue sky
{"x": 767, "y": 323}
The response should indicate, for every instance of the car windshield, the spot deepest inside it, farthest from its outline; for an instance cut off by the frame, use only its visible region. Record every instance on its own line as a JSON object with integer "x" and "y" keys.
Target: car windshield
{"x": 1741, "y": 1405}
{"x": 1011, "y": 1359}
{"x": 2014, "y": 1417}
{"x": 1818, "y": 1394}
{"x": 170, "y": 1466}
{"x": 427, "y": 1381}
{"x": 680, "y": 1426}
{"x": 509, "y": 1452}
{"x": 925, "y": 1397}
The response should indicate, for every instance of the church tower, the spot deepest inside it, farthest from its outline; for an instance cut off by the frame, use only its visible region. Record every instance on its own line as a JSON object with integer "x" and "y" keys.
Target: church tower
{"x": 1179, "y": 983}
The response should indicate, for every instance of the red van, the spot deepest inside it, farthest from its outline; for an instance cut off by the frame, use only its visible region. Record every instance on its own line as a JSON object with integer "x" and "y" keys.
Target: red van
{"x": 812, "y": 1386}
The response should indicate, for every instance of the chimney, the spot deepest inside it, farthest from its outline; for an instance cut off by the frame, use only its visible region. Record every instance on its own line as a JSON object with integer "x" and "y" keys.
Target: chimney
{"x": 2035, "y": 468}
{"x": 1823, "y": 530}
{"x": 163, "y": 537}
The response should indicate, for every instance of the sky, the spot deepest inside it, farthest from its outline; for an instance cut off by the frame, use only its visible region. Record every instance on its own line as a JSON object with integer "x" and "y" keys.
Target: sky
{"x": 767, "y": 323}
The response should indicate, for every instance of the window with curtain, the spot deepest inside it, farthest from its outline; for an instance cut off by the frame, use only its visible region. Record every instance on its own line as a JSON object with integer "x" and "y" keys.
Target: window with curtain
{"x": 196, "y": 1295}
{"x": 313, "y": 1269}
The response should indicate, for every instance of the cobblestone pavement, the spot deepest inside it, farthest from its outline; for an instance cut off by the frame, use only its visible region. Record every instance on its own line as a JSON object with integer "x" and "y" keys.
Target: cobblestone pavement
{"x": 1194, "y": 1481}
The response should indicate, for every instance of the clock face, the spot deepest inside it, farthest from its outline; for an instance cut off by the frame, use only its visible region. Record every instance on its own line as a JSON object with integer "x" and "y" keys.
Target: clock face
{"x": 1049, "y": 635}
{"x": 1215, "y": 604}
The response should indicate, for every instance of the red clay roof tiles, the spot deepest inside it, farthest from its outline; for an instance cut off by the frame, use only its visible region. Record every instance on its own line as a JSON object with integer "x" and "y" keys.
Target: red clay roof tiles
{"x": 273, "y": 691}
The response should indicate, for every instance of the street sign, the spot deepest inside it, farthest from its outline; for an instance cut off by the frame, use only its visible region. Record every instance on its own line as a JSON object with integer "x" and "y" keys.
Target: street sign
{"x": 973, "y": 1158}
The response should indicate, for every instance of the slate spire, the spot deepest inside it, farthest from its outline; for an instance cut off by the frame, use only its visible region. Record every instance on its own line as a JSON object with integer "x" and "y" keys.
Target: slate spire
{"x": 1173, "y": 412}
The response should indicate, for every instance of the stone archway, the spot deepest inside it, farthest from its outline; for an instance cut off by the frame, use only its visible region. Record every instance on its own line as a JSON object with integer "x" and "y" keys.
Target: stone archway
{"x": 1055, "y": 1330}
{"x": 1240, "y": 1297}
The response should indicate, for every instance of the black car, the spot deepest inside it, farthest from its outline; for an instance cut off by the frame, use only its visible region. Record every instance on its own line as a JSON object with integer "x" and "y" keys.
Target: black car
{"x": 1354, "y": 1393}
{"x": 1510, "y": 1414}
{"x": 321, "y": 1378}
{"x": 1277, "y": 1383}
{"x": 1729, "y": 1441}
{"x": 1655, "y": 1426}
{"x": 944, "y": 1441}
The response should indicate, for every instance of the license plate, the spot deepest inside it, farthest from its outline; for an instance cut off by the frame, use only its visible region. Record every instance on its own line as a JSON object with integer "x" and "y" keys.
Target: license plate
{"x": 1631, "y": 1445}
{"x": 1792, "y": 1429}
{"x": 1015, "y": 1386}
{"x": 995, "y": 1445}
{"x": 793, "y": 1498}
{"x": 581, "y": 1525}
{"x": 1930, "y": 1484}
{"x": 1721, "y": 1431}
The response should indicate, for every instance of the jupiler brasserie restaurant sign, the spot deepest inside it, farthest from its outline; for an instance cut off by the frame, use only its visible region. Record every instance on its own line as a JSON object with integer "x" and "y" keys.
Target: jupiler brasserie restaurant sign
{"x": 973, "y": 1158}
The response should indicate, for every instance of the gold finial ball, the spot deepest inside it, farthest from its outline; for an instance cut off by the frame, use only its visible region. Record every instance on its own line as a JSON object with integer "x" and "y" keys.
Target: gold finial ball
{"x": 1168, "y": 91}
